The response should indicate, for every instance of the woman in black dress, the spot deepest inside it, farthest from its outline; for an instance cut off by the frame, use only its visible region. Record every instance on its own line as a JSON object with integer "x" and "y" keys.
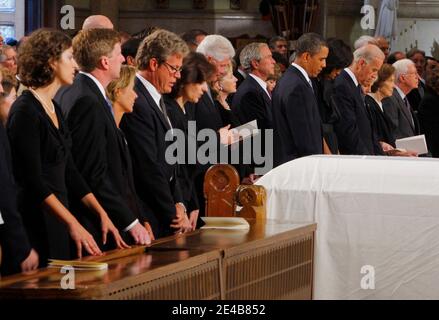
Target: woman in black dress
{"x": 381, "y": 124}
{"x": 186, "y": 92}
{"x": 42, "y": 163}
{"x": 122, "y": 95}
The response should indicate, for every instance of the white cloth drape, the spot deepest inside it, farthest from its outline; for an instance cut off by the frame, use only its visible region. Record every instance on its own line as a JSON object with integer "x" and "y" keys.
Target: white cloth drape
{"x": 387, "y": 25}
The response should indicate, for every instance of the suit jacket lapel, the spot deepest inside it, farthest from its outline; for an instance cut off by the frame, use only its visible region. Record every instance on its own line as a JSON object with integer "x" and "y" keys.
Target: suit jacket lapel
{"x": 95, "y": 90}
{"x": 264, "y": 95}
{"x": 141, "y": 88}
{"x": 404, "y": 109}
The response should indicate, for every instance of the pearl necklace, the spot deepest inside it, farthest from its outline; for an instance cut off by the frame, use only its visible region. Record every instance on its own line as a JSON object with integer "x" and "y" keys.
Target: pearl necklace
{"x": 47, "y": 108}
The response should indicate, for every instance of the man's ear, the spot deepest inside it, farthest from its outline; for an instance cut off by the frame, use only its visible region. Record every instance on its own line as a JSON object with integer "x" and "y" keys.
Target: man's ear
{"x": 153, "y": 64}
{"x": 254, "y": 63}
{"x": 104, "y": 62}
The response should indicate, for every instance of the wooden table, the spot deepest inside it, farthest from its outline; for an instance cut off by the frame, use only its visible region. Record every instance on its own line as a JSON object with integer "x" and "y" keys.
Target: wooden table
{"x": 271, "y": 260}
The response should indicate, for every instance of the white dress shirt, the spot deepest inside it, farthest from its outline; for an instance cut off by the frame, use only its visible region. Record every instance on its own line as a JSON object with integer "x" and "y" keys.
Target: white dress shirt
{"x": 304, "y": 73}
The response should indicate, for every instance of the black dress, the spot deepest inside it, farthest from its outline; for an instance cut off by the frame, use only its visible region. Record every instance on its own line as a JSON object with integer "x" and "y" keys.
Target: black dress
{"x": 381, "y": 123}
{"x": 42, "y": 166}
{"x": 185, "y": 171}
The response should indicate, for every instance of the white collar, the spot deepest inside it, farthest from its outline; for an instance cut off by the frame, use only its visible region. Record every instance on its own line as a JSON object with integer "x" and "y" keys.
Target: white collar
{"x": 242, "y": 73}
{"x": 302, "y": 71}
{"x": 400, "y": 92}
{"x": 96, "y": 81}
{"x": 156, "y": 96}
{"x": 352, "y": 75}
{"x": 261, "y": 82}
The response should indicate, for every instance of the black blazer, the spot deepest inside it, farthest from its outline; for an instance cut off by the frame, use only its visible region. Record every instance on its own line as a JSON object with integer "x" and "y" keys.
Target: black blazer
{"x": 96, "y": 150}
{"x": 400, "y": 117}
{"x": 296, "y": 119}
{"x": 13, "y": 238}
{"x": 381, "y": 122}
{"x": 185, "y": 170}
{"x": 415, "y": 96}
{"x": 354, "y": 129}
{"x": 251, "y": 102}
{"x": 429, "y": 120}
{"x": 145, "y": 130}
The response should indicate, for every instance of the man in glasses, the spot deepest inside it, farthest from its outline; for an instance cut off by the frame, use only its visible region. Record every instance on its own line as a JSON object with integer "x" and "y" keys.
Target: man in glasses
{"x": 159, "y": 60}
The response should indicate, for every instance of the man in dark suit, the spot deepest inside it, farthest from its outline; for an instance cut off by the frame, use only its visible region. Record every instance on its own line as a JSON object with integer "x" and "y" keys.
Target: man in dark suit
{"x": 219, "y": 51}
{"x": 94, "y": 132}
{"x": 252, "y": 100}
{"x": 159, "y": 61}
{"x": 17, "y": 253}
{"x": 397, "y": 107}
{"x": 296, "y": 120}
{"x": 419, "y": 59}
{"x": 354, "y": 128}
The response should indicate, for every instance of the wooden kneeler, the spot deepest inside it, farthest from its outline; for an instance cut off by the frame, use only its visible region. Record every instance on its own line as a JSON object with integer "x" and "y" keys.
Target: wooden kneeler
{"x": 223, "y": 193}
{"x": 220, "y": 184}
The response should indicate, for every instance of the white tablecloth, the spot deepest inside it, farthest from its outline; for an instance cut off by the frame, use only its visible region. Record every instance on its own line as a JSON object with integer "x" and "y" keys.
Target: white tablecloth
{"x": 377, "y": 211}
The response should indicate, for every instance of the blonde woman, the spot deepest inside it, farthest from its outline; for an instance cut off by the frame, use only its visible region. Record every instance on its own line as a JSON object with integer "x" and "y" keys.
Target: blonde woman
{"x": 122, "y": 95}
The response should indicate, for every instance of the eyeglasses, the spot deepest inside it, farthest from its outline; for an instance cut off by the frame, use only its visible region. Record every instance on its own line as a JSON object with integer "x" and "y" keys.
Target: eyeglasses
{"x": 173, "y": 70}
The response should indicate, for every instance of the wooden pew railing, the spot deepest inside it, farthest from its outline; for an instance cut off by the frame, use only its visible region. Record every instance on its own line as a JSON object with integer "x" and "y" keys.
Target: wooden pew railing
{"x": 224, "y": 194}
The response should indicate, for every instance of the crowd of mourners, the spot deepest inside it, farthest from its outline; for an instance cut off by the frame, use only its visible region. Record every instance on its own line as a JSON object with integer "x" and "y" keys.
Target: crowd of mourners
{"x": 85, "y": 125}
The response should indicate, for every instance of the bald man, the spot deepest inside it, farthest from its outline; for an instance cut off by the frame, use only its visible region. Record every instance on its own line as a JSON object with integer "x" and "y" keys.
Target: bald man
{"x": 97, "y": 21}
{"x": 384, "y": 45}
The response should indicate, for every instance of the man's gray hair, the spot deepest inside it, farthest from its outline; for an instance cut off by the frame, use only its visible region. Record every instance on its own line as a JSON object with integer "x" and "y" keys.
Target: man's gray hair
{"x": 364, "y": 40}
{"x": 217, "y": 47}
{"x": 401, "y": 67}
{"x": 311, "y": 43}
{"x": 251, "y": 52}
{"x": 369, "y": 52}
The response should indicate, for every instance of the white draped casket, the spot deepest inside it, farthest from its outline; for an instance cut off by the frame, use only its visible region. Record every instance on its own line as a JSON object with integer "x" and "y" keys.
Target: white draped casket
{"x": 376, "y": 215}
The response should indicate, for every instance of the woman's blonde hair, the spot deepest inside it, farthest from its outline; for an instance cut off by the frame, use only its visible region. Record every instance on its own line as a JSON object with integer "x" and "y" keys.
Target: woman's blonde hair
{"x": 127, "y": 74}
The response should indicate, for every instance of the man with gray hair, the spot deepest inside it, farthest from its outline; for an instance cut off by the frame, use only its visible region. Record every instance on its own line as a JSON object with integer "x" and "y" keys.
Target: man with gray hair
{"x": 159, "y": 60}
{"x": 354, "y": 128}
{"x": 397, "y": 107}
{"x": 296, "y": 119}
{"x": 97, "y": 22}
{"x": 219, "y": 51}
{"x": 364, "y": 40}
{"x": 252, "y": 101}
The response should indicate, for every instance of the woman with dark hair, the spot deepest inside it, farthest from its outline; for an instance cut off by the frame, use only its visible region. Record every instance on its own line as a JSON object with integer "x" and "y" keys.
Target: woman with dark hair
{"x": 381, "y": 124}
{"x": 382, "y": 88}
{"x": 429, "y": 111}
{"x": 42, "y": 163}
{"x": 179, "y": 103}
{"x": 339, "y": 57}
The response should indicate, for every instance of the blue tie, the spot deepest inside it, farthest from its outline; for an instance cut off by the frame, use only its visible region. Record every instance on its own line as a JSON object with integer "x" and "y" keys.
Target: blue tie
{"x": 109, "y": 105}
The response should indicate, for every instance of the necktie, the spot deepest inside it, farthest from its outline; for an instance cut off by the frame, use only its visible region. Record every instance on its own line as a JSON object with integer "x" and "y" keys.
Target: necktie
{"x": 163, "y": 109}
{"x": 409, "y": 109}
{"x": 310, "y": 84}
{"x": 109, "y": 105}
